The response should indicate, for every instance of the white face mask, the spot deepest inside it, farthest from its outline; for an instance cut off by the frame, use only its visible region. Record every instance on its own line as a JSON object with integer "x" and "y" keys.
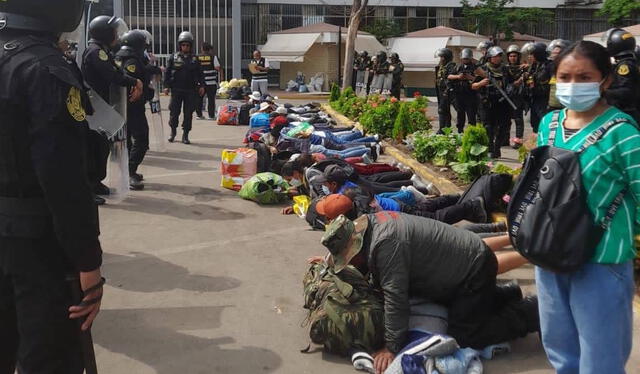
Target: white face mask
{"x": 295, "y": 182}
{"x": 578, "y": 96}
{"x": 326, "y": 190}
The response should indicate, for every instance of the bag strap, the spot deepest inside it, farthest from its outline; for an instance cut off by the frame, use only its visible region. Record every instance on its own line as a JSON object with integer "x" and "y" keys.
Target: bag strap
{"x": 16, "y": 46}
{"x": 599, "y": 133}
{"x": 613, "y": 208}
{"x": 553, "y": 127}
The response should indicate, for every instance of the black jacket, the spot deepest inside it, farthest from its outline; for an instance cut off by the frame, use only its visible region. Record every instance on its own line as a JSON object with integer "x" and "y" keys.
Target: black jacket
{"x": 100, "y": 70}
{"x": 183, "y": 73}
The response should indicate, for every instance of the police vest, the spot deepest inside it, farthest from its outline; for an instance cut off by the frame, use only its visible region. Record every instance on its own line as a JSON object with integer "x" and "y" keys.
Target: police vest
{"x": 259, "y": 74}
{"x": 207, "y": 64}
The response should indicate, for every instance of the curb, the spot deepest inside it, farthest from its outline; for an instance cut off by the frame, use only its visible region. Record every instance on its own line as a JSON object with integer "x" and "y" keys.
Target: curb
{"x": 445, "y": 186}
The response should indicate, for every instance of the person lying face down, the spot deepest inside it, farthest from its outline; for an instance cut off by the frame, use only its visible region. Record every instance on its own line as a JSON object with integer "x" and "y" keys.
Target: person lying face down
{"x": 410, "y": 256}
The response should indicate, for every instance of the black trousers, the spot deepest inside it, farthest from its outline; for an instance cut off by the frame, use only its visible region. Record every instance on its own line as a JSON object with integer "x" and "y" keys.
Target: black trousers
{"x": 389, "y": 176}
{"x": 442, "y": 208}
{"x": 467, "y": 109}
{"x": 185, "y": 101}
{"x": 377, "y": 187}
{"x": 396, "y": 90}
{"x": 497, "y": 116}
{"x": 137, "y": 137}
{"x": 36, "y": 333}
{"x": 210, "y": 93}
{"x": 444, "y": 111}
{"x": 538, "y": 110}
{"x": 97, "y": 156}
{"x": 518, "y": 118}
{"x": 477, "y": 318}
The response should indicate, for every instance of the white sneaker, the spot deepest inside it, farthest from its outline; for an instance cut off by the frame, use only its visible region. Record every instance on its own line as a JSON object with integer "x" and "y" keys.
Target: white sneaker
{"x": 419, "y": 196}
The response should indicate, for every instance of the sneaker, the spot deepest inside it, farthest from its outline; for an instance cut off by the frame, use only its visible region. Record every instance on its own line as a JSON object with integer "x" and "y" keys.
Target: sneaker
{"x": 135, "y": 184}
{"x": 422, "y": 186}
{"x": 366, "y": 159}
{"x": 101, "y": 189}
{"x": 516, "y": 143}
{"x": 377, "y": 137}
{"x": 200, "y": 116}
{"x": 139, "y": 176}
{"x": 374, "y": 153}
{"x": 419, "y": 196}
{"x": 479, "y": 212}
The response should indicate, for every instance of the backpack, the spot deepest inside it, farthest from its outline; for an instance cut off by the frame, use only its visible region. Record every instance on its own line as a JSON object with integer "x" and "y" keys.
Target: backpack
{"x": 264, "y": 156}
{"x": 265, "y": 188}
{"x": 346, "y": 313}
{"x": 549, "y": 221}
{"x": 243, "y": 115}
{"x": 491, "y": 188}
{"x": 228, "y": 115}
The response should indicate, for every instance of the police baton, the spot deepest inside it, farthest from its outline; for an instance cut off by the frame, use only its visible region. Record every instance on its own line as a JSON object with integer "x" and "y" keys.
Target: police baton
{"x": 86, "y": 341}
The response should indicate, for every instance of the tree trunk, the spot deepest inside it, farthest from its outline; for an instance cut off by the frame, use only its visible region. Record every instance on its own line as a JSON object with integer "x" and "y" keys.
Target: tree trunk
{"x": 357, "y": 11}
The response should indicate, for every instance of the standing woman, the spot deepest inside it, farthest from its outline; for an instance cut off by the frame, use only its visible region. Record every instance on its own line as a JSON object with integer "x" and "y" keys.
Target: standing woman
{"x": 586, "y": 316}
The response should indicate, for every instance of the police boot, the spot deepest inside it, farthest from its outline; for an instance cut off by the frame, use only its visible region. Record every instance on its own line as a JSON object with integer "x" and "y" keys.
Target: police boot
{"x": 185, "y": 137}
{"x": 135, "y": 183}
{"x": 172, "y": 137}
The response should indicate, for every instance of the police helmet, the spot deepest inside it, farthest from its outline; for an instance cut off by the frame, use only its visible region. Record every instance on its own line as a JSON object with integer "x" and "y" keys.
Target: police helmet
{"x": 364, "y": 54}
{"x": 466, "y": 53}
{"x": 527, "y": 48}
{"x": 444, "y": 52}
{"x": 185, "y": 37}
{"x": 148, "y": 37}
{"x": 34, "y": 15}
{"x": 381, "y": 56}
{"x": 513, "y": 48}
{"x": 539, "y": 51}
{"x": 494, "y": 51}
{"x": 106, "y": 29}
{"x": 485, "y": 45}
{"x": 558, "y": 43}
{"x": 637, "y": 51}
{"x": 620, "y": 42}
{"x": 134, "y": 39}
{"x": 394, "y": 57}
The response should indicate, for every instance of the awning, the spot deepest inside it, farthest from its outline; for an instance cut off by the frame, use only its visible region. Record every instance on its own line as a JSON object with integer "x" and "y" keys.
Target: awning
{"x": 288, "y": 47}
{"x": 417, "y": 54}
{"x": 368, "y": 43}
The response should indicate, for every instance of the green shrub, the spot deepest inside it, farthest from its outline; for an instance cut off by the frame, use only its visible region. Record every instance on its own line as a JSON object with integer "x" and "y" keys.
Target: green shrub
{"x": 379, "y": 116}
{"x": 418, "y": 114}
{"x": 402, "y": 126}
{"x": 354, "y": 107}
{"x": 335, "y": 93}
{"x": 440, "y": 149}
{"x": 500, "y": 168}
{"x": 469, "y": 171}
{"x": 475, "y": 144}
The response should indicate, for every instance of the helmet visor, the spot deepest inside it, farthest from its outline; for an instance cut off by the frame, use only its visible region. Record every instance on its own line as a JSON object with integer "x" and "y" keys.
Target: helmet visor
{"x": 120, "y": 26}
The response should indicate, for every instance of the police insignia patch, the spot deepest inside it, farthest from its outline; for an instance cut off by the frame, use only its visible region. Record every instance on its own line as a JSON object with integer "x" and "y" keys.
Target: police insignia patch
{"x": 102, "y": 55}
{"x": 623, "y": 69}
{"x": 131, "y": 68}
{"x": 74, "y": 105}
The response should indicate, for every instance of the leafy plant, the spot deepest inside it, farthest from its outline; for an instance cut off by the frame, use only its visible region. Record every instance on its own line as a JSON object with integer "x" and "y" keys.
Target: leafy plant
{"x": 617, "y": 11}
{"x": 501, "y": 168}
{"x": 345, "y": 96}
{"x": 402, "y": 126}
{"x": 440, "y": 149}
{"x": 496, "y": 17}
{"x": 379, "y": 115}
{"x": 354, "y": 107}
{"x": 475, "y": 144}
{"x": 335, "y": 93}
{"x": 418, "y": 114}
{"x": 469, "y": 171}
{"x": 383, "y": 29}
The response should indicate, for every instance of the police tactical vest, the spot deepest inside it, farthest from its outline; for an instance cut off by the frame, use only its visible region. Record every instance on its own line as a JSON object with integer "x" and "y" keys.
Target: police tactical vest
{"x": 260, "y": 74}
{"x": 207, "y": 64}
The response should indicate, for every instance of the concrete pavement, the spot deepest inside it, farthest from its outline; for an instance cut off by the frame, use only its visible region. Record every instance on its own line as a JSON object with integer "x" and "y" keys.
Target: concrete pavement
{"x": 201, "y": 281}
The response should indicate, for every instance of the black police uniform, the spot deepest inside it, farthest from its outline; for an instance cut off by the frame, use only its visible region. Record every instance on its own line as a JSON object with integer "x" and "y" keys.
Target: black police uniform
{"x": 211, "y": 78}
{"x": 137, "y": 125}
{"x": 495, "y": 110}
{"x": 538, "y": 77}
{"x": 517, "y": 95}
{"x": 624, "y": 92}
{"x": 48, "y": 217}
{"x": 445, "y": 93}
{"x": 183, "y": 76}
{"x": 466, "y": 98}
{"x": 101, "y": 72}
{"x": 396, "y": 68}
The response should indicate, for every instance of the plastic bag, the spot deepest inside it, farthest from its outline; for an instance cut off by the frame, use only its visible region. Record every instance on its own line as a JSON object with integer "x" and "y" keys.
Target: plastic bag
{"x": 265, "y": 188}
{"x": 303, "y": 130}
{"x": 238, "y": 165}
{"x": 301, "y": 205}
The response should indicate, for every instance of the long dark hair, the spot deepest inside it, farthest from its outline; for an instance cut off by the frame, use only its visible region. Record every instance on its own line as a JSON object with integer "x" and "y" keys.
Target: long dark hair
{"x": 595, "y": 52}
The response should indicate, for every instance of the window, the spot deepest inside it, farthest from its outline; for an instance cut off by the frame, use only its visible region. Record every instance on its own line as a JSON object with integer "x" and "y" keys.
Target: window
{"x": 400, "y": 11}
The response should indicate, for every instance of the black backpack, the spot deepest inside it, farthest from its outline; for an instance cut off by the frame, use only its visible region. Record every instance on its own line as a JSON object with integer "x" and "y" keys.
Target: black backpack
{"x": 549, "y": 221}
{"x": 491, "y": 188}
{"x": 243, "y": 114}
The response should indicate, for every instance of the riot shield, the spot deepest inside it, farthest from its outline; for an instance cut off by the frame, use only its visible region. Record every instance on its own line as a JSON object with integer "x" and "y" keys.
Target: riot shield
{"x": 118, "y": 167}
{"x": 360, "y": 82}
{"x": 377, "y": 83}
{"x": 387, "y": 83}
{"x": 105, "y": 120}
{"x": 157, "y": 140}
{"x": 365, "y": 82}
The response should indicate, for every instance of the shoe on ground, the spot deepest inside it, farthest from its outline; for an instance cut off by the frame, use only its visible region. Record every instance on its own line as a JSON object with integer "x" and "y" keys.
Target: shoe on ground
{"x": 374, "y": 153}
{"x": 139, "y": 176}
{"x": 135, "y": 184}
{"x": 101, "y": 189}
{"x": 366, "y": 159}
{"x": 516, "y": 143}
{"x": 172, "y": 137}
{"x": 99, "y": 200}
{"x": 185, "y": 138}
{"x": 422, "y": 186}
{"x": 479, "y": 213}
{"x": 200, "y": 117}
{"x": 419, "y": 196}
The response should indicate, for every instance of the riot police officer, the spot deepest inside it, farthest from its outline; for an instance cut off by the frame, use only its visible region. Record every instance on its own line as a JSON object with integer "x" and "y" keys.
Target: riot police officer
{"x": 361, "y": 65}
{"x": 131, "y": 59}
{"x": 495, "y": 109}
{"x": 516, "y": 93}
{"x": 538, "y": 74}
{"x": 396, "y": 68}
{"x": 49, "y": 247}
{"x": 623, "y": 92}
{"x": 102, "y": 74}
{"x": 483, "y": 47}
{"x": 466, "y": 102}
{"x": 380, "y": 70}
{"x": 184, "y": 79}
{"x": 444, "y": 90}
{"x": 210, "y": 65}
{"x": 554, "y": 49}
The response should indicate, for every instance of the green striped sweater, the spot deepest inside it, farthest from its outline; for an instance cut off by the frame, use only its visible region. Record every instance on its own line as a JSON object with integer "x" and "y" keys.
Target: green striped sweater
{"x": 608, "y": 166}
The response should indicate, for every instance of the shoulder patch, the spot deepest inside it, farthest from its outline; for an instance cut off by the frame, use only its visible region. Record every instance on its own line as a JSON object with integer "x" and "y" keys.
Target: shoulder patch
{"x": 74, "y": 105}
{"x": 131, "y": 68}
{"x": 118, "y": 63}
{"x": 102, "y": 55}
{"x": 552, "y": 80}
{"x": 623, "y": 69}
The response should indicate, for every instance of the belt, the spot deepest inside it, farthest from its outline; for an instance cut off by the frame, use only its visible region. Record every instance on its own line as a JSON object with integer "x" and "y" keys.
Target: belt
{"x": 24, "y": 206}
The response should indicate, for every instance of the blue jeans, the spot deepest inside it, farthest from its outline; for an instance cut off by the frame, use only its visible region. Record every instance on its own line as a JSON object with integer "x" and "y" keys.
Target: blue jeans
{"x": 354, "y": 137}
{"x": 350, "y": 152}
{"x": 403, "y": 196}
{"x": 586, "y": 318}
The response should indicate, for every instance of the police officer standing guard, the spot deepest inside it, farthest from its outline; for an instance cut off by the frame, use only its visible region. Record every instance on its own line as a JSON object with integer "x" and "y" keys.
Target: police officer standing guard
{"x": 445, "y": 94}
{"x": 396, "y": 68}
{"x": 131, "y": 58}
{"x": 212, "y": 71}
{"x": 466, "y": 102}
{"x": 100, "y": 72}
{"x": 623, "y": 92}
{"x": 48, "y": 218}
{"x": 538, "y": 75}
{"x": 516, "y": 93}
{"x": 184, "y": 79}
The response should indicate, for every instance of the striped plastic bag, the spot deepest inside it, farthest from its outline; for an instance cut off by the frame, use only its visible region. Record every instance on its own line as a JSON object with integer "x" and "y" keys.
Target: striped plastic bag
{"x": 238, "y": 165}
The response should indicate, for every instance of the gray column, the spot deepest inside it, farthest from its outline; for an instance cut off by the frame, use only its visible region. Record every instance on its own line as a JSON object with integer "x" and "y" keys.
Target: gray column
{"x": 118, "y": 8}
{"x": 236, "y": 33}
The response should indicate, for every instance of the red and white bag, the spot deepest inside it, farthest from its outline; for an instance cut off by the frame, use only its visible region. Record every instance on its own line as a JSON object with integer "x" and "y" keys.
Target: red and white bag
{"x": 238, "y": 165}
